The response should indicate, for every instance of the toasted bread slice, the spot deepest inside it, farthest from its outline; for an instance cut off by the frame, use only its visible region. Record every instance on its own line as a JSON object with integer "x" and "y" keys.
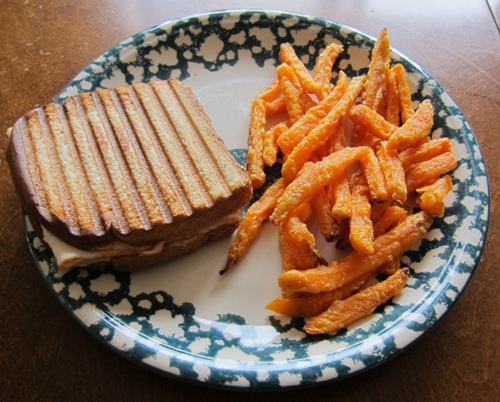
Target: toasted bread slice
{"x": 139, "y": 163}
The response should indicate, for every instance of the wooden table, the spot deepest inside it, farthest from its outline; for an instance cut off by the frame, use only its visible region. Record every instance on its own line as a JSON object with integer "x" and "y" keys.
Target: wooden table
{"x": 46, "y": 355}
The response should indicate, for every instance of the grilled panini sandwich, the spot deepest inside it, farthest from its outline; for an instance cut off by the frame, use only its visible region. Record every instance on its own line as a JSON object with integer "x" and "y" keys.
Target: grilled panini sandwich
{"x": 134, "y": 176}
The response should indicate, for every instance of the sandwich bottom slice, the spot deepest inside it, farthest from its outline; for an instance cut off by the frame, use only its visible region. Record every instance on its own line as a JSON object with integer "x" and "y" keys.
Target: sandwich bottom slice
{"x": 128, "y": 258}
{"x": 131, "y": 176}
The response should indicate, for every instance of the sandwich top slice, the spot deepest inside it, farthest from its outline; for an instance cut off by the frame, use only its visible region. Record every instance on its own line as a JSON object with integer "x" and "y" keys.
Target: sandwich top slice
{"x": 134, "y": 174}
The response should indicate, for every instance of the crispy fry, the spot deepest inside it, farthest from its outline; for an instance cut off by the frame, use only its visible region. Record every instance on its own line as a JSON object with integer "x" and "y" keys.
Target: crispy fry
{"x": 377, "y": 72}
{"x": 309, "y": 305}
{"x": 338, "y": 140}
{"x": 251, "y": 223}
{"x": 316, "y": 177}
{"x": 375, "y": 177}
{"x": 343, "y": 240}
{"x": 431, "y": 197}
{"x": 303, "y": 98}
{"x": 288, "y": 261}
{"x": 424, "y": 151}
{"x": 390, "y": 267}
{"x": 379, "y": 209}
{"x": 275, "y": 107}
{"x": 271, "y": 92}
{"x": 300, "y": 240}
{"x": 292, "y": 100}
{"x": 392, "y": 216}
{"x": 324, "y": 64}
{"x": 339, "y": 272}
{"x": 301, "y": 128}
{"x": 415, "y": 128}
{"x": 344, "y": 312}
{"x": 424, "y": 173}
{"x": 328, "y": 227}
{"x": 361, "y": 227}
{"x": 404, "y": 93}
{"x": 270, "y": 151}
{"x": 393, "y": 172}
{"x": 255, "y": 161}
{"x": 370, "y": 122}
{"x": 287, "y": 55}
{"x": 341, "y": 208}
{"x": 321, "y": 132}
{"x": 391, "y": 112}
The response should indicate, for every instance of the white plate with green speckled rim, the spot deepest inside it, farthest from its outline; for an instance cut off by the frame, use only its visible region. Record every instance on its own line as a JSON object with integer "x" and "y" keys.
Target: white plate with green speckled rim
{"x": 184, "y": 320}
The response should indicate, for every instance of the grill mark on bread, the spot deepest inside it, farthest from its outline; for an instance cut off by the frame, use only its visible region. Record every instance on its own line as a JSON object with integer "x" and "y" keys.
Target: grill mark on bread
{"x": 96, "y": 173}
{"x": 149, "y": 199}
{"x": 78, "y": 189}
{"x": 212, "y": 144}
{"x": 46, "y": 149}
{"x": 173, "y": 147}
{"x": 115, "y": 162}
{"x": 161, "y": 169}
{"x": 189, "y": 133}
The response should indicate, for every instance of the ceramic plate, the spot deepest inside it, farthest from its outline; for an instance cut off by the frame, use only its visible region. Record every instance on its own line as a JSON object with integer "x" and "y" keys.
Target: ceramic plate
{"x": 184, "y": 320}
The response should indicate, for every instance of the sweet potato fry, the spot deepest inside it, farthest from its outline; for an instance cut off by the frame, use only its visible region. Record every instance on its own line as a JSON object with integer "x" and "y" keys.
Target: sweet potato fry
{"x": 339, "y": 272}
{"x": 375, "y": 177}
{"x": 321, "y": 132}
{"x": 293, "y": 106}
{"x": 377, "y": 72}
{"x": 391, "y": 112}
{"x": 328, "y": 227}
{"x": 392, "y": 216}
{"x": 404, "y": 93}
{"x": 415, "y": 128}
{"x": 394, "y": 173}
{"x": 424, "y": 151}
{"x": 341, "y": 313}
{"x": 271, "y": 92}
{"x": 361, "y": 227}
{"x": 255, "y": 161}
{"x": 305, "y": 186}
{"x": 300, "y": 240}
{"x": 251, "y": 223}
{"x": 390, "y": 267}
{"x": 270, "y": 151}
{"x": 370, "y": 122}
{"x": 311, "y": 118}
{"x": 287, "y": 55}
{"x": 431, "y": 197}
{"x": 309, "y": 304}
{"x": 303, "y": 98}
{"x": 324, "y": 64}
{"x": 424, "y": 173}
{"x": 275, "y": 107}
{"x": 379, "y": 209}
{"x": 341, "y": 208}
{"x": 288, "y": 261}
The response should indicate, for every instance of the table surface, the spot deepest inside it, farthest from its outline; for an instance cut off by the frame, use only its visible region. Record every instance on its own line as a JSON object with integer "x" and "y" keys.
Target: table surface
{"x": 45, "y": 354}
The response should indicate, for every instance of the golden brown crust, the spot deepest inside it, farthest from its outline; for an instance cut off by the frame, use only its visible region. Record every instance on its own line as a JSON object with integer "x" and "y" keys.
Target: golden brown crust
{"x": 140, "y": 163}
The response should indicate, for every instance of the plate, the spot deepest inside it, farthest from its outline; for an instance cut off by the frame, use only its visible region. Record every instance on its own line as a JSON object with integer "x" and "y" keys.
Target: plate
{"x": 182, "y": 319}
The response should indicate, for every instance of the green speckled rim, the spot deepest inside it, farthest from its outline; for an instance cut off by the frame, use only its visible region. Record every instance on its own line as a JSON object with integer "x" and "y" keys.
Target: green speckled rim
{"x": 140, "y": 317}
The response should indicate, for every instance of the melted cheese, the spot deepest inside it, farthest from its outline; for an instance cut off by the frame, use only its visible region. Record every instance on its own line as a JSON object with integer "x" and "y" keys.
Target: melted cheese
{"x": 68, "y": 256}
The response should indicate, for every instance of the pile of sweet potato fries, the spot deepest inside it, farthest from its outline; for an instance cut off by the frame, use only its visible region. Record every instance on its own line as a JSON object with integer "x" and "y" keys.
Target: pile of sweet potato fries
{"x": 357, "y": 157}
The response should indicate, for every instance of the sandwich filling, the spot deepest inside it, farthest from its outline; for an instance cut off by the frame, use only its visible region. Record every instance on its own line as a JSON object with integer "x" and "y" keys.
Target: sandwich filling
{"x": 68, "y": 256}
